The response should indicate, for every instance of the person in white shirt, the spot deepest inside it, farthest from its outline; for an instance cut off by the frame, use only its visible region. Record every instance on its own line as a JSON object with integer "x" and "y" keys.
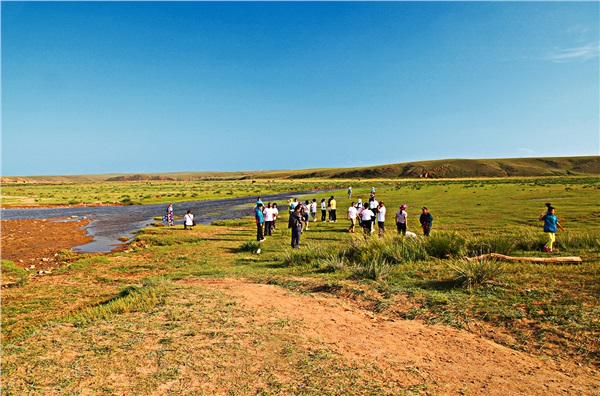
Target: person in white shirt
{"x": 381, "y": 218}
{"x": 269, "y": 217}
{"x": 367, "y": 219}
{"x": 323, "y": 210}
{"x": 313, "y": 209}
{"x": 188, "y": 220}
{"x": 352, "y": 212}
{"x": 402, "y": 219}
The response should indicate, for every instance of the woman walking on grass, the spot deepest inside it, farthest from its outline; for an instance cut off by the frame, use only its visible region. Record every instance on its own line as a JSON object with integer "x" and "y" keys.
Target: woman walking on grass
{"x": 402, "y": 219}
{"x": 550, "y": 223}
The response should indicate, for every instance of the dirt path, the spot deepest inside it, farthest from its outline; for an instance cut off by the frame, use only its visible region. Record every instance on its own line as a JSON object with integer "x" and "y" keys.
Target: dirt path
{"x": 455, "y": 361}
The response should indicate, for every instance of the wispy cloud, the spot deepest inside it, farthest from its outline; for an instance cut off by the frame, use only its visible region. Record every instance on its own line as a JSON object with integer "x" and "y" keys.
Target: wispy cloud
{"x": 576, "y": 54}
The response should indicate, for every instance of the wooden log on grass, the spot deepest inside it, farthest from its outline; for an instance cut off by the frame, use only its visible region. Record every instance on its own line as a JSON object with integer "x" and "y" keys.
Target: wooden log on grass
{"x": 555, "y": 259}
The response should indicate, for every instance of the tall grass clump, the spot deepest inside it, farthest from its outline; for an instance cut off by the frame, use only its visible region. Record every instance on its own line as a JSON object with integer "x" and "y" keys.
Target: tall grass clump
{"x": 472, "y": 273}
{"x": 484, "y": 244}
{"x": 130, "y": 299}
{"x": 530, "y": 241}
{"x": 445, "y": 245}
{"x": 578, "y": 240}
{"x": 376, "y": 268}
{"x": 402, "y": 249}
{"x": 333, "y": 263}
{"x": 310, "y": 254}
{"x": 250, "y": 246}
{"x": 394, "y": 249}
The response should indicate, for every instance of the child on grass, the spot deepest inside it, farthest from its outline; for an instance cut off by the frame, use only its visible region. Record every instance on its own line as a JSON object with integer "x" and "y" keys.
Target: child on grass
{"x": 550, "y": 223}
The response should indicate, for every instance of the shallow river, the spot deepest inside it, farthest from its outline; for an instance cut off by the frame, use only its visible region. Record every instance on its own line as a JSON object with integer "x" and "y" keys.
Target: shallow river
{"x": 111, "y": 222}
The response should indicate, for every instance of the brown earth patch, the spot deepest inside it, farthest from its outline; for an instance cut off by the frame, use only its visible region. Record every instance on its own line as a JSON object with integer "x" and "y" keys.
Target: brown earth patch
{"x": 455, "y": 361}
{"x": 36, "y": 242}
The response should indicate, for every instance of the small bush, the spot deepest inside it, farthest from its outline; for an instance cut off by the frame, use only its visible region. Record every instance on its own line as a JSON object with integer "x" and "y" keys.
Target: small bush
{"x": 250, "y": 246}
{"x": 476, "y": 272}
{"x": 65, "y": 255}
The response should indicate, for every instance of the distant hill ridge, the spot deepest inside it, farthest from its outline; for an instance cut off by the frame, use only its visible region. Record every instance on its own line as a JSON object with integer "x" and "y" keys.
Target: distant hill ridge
{"x": 434, "y": 169}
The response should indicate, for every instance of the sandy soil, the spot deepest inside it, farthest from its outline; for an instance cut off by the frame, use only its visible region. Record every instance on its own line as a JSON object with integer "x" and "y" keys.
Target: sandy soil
{"x": 454, "y": 361}
{"x": 35, "y": 242}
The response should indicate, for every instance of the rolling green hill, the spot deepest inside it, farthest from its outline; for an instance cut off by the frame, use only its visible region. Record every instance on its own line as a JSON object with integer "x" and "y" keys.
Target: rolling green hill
{"x": 435, "y": 169}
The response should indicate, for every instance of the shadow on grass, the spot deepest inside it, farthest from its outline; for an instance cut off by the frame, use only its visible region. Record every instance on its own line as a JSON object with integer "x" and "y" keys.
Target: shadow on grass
{"x": 445, "y": 285}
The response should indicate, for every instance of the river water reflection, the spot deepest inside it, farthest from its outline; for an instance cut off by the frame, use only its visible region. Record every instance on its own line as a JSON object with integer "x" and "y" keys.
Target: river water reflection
{"x": 109, "y": 223}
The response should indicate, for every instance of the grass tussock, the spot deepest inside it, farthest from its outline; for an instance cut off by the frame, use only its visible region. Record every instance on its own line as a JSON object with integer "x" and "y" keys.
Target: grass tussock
{"x": 474, "y": 273}
{"x": 130, "y": 299}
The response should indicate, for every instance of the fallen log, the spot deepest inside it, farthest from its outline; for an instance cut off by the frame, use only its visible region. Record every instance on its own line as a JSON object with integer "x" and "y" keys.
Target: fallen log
{"x": 556, "y": 259}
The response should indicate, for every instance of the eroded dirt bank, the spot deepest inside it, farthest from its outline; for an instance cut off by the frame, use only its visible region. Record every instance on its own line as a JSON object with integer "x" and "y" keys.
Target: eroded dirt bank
{"x": 453, "y": 361}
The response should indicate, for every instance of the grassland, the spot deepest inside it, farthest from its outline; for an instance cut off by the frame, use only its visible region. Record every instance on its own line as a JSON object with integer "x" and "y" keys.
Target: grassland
{"x": 136, "y": 314}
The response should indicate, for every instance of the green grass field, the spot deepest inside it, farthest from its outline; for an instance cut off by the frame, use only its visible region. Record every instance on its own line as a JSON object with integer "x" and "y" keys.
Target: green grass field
{"x": 94, "y": 307}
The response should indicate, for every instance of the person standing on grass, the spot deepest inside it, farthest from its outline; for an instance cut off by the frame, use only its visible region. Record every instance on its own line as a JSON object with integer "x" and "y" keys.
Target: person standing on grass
{"x": 188, "y": 220}
{"x": 359, "y": 209}
{"x": 313, "y": 209}
{"x": 367, "y": 219}
{"x": 323, "y": 210}
{"x": 373, "y": 206}
{"x": 293, "y": 204}
{"x": 305, "y": 211}
{"x": 260, "y": 221}
{"x": 402, "y": 219}
{"x": 332, "y": 208}
{"x": 349, "y": 192}
{"x": 268, "y": 215}
{"x": 426, "y": 220}
{"x": 550, "y": 223}
{"x": 381, "y": 218}
{"x": 170, "y": 215}
{"x": 352, "y": 214}
{"x": 295, "y": 223}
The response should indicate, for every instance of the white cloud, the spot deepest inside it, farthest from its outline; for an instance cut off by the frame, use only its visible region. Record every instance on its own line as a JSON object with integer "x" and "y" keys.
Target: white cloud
{"x": 576, "y": 54}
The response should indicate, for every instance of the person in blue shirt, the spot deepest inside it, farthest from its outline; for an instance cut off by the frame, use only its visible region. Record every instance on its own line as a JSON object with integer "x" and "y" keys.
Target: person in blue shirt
{"x": 550, "y": 223}
{"x": 260, "y": 221}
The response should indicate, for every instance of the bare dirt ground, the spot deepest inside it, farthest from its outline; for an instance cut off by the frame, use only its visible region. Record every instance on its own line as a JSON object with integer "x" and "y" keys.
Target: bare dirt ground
{"x": 35, "y": 242}
{"x": 452, "y": 361}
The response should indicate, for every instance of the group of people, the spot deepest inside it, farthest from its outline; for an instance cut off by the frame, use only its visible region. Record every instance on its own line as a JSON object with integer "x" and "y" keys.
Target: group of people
{"x": 365, "y": 215}
{"x": 265, "y": 217}
{"x": 188, "y": 218}
{"x": 368, "y": 213}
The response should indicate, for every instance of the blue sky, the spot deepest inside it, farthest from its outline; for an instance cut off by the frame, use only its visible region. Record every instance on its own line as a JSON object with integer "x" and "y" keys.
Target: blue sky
{"x": 146, "y": 87}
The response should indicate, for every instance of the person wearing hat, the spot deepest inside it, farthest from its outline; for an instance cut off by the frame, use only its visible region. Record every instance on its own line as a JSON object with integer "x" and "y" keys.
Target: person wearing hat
{"x": 426, "y": 220}
{"x": 402, "y": 219}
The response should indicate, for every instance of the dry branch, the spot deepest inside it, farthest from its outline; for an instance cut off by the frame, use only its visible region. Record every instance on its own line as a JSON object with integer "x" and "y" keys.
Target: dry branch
{"x": 572, "y": 259}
